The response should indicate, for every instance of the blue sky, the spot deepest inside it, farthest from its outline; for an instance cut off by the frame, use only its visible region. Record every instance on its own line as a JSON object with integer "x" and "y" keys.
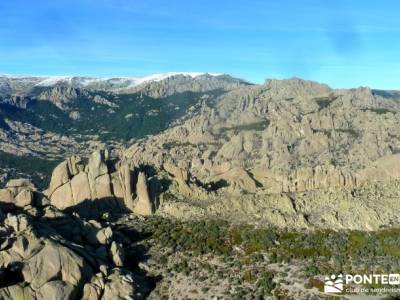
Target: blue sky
{"x": 345, "y": 43}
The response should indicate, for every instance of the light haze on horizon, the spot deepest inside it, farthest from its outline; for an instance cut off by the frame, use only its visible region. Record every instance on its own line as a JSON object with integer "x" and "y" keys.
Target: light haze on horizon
{"x": 341, "y": 43}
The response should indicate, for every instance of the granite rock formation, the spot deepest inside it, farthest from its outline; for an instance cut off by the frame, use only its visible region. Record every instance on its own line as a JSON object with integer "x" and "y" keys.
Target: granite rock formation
{"x": 73, "y": 183}
{"x": 47, "y": 254}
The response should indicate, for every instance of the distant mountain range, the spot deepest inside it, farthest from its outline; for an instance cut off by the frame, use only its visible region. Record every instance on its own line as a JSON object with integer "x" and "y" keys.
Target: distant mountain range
{"x": 53, "y": 117}
{"x": 24, "y": 84}
{"x": 218, "y": 137}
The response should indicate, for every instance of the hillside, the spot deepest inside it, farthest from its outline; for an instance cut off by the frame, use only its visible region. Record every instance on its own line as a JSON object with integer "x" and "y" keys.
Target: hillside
{"x": 53, "y": 118}
{"x": 196, "y": 187}
{"x": 236, "y": 147}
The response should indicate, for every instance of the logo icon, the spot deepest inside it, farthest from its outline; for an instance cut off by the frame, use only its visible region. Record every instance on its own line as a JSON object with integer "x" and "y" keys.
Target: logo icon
{"x": 394, "y": 279}
{"x": 333, "y": 284}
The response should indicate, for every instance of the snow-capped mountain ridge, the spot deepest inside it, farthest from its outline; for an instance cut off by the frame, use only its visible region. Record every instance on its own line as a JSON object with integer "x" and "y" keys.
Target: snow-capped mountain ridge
{"x": 172, "y": 82}
{"x": 83, "y": 81}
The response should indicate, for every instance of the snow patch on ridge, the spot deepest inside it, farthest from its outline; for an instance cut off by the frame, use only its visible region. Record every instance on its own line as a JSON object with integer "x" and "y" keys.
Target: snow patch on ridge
{"x": 50, "y": 81}
{"x": 126, "y": 81}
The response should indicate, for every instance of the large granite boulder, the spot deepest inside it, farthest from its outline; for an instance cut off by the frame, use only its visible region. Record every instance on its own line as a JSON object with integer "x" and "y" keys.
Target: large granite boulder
{"x": 99, "y": 182}
{"x": 143, "y": 205}
{"x": 59, "y": 256}
{"x": 47, "y": 266}
{"x": 20, "y": 192}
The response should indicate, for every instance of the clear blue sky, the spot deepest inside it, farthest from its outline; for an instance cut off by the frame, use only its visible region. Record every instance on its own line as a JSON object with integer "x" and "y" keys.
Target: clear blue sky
{"x": 345, "y": 43}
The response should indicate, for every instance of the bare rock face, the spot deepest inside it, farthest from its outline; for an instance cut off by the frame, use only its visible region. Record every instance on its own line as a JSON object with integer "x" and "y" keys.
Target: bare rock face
{"x": 304, "y": 179}
{"x": 104, "y": 101}
{"x": 51, "y": 261}
{"x": 239, "y": 179}
{"x": 117, "y": 254}
{"x": 20, "y": 192}
{"x": 251, "y": 144}
{"x": 60, "y": 95}
{"x": 182, "y": 83}
{"x": 99, "y": 178}
{"x": 74, "y": 115}
{"x": 73, "y": 183}
{"x": 48, "y": 268}
{"x": 60, "y": 189}
{"x": 143, "y": 205}
{"x": 180, "y": 175}
{"x": 287, "y": 135}
{"x": 17, "y": 101}
{"x": 384, "y": 169}
{"x": 56, "y": 256}
{"x": 117, "y": 285}
{"x": 79, "y": 187}
{"x": 24, "y": 197}
{"x": 19, "y": 183}
{"x": 57, "y": 289}
{"x": 104, "y": 236}
{"x": 6, "y": 195}
{"x": 123, "y": 183}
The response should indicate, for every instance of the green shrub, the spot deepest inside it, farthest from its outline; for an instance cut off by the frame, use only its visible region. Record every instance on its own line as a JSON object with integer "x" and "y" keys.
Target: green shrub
{"x": 266, "y": 284}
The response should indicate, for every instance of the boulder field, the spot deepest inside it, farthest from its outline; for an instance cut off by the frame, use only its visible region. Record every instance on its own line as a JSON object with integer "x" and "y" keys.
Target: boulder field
{"x": 319, "y": 197}
{"x": 46, "y": 253}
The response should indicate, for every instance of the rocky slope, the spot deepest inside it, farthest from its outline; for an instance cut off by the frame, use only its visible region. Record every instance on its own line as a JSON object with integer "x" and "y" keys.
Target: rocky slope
{"x": 288, "y": 147}
{"x": 48, "y": 254}
{"x": 285, "y": 136}
{"x": 285, "y": 141}
{"x": 249, "y": 191}
{"x": 53, "y": 118}
{"x": 79, "y": 239}
{"x": 23, "y": 85}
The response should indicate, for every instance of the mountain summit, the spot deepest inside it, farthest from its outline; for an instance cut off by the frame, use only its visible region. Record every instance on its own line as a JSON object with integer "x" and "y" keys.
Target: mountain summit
{"x": 23, "y": 84}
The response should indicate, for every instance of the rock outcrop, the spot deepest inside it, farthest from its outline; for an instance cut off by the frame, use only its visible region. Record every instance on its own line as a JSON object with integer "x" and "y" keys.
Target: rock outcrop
{"x": 117, "y": 285}
{"x": 60, "y": 95}
{"x": 47, "y": 254}
{"x": 143, "y": 205}
{"x": 283, "y": 136}
{"x": 99, "y": 181}
{"x": 20, "y": 192}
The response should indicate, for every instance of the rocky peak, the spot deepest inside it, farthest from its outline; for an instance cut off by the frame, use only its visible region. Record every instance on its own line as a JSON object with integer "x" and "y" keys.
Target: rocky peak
{"x": 61, "y": 95}
{"x": 183, "y": 83}
{"x": 296, "y": 87}
{"x": 111, "y": 183}
{"x": 304, "y": 135}
{"x": 16, "y": 101}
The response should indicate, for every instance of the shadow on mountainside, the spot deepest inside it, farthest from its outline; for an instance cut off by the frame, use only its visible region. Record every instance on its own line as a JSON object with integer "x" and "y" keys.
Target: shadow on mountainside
{"x": 97, "y": 208}
{"x": 81, "y": 235}
{"x": 11, "y": 274}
